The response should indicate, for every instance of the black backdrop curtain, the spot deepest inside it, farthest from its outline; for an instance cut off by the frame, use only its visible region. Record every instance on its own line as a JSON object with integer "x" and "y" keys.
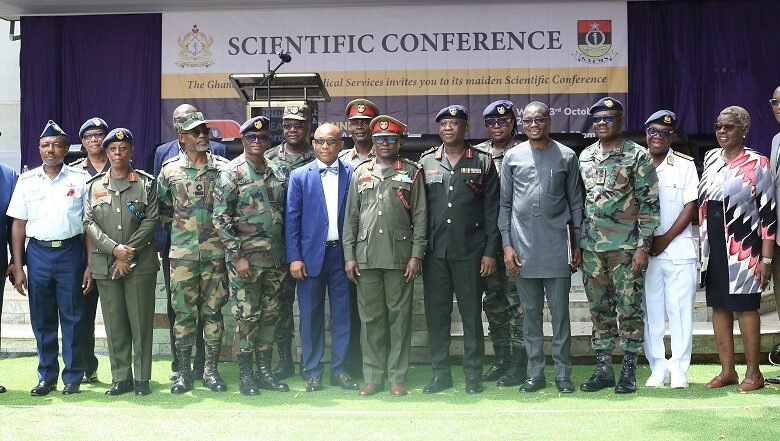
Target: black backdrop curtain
{"x": 696, "y": 58}
{"x": 77, "y": 67}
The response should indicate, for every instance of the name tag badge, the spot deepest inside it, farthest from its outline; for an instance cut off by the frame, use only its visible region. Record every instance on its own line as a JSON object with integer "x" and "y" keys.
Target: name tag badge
{"x": 366, "y": 185}
{"x": 601, "y": 176}
{"x": 469, "y": 171}
{"x": 434, "y": 179}
{"x": 402, "y": 178}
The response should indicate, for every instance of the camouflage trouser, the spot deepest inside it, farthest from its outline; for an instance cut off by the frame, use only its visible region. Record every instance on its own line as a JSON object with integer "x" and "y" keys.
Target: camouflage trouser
{"x": 257, "y": 305}
{"x": 285, "y": 327}
{"x": 615, "y": 297}
{"x": 198, "y": 292}
{"x": 502, "y": 308}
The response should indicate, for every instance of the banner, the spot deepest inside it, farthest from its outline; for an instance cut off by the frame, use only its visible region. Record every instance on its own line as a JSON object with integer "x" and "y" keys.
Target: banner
{"x": 411, "y": 60}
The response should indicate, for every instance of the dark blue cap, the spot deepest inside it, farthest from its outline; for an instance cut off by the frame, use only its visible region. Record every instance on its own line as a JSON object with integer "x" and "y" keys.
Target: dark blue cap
{"x": 454, "y": 111}
{"x": 498, "y": 109}
{"x": 606, "y": 103}
{"x": 663, "y": 118}
{"x": 255, "y": 124}
{"x": 52, "y": 129}
{"x": 92, "y": 123}
{"x": 118, "y": 134}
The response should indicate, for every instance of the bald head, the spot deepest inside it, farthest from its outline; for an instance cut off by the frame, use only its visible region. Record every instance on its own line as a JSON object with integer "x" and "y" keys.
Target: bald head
{"x": 183, "y": 109}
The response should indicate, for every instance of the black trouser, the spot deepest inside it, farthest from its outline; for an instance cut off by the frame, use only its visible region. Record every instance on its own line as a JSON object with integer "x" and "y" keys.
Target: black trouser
{"x": 87, "y": 336}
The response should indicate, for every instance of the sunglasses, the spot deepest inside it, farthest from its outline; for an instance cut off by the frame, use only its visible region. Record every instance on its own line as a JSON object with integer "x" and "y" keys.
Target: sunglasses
{"x": 199, "y": 131}
{"x": 774, "y": 102}
{"x": 605, "y": 118}
{"x": 537, "y": 121}
{"x": 322, "y": 141}
{"x": 496, "y": 122}
{"x": 726, "y": 127}
{"x": 99, "y": 135}
{"x": 251, "y": 137}
{"x": 662, "y": 133}
{"x": 381, "y": 139}
{"x": 288, "y": 126}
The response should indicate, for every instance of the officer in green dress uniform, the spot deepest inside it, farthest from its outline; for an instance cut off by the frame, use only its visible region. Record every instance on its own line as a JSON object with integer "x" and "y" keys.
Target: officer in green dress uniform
{"x": 120, "y": 218}
{"x": 384, "y": 243}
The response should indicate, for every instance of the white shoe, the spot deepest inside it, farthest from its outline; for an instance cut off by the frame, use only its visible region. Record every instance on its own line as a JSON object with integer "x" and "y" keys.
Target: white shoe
{"x": 658, "y": 378}
{"x": 679, "y": 380}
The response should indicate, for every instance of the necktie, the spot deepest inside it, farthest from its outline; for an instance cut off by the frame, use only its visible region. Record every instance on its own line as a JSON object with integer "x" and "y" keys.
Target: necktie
{"x": 334, "y": 170}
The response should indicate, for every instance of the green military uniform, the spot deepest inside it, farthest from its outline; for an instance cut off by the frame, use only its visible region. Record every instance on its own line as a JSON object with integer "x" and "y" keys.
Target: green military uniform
{"x": 621, "y": 213}
{"x": 384, "y": 227}
{"x": 249, "y": 202}
{"x": 462, "y": 228}
{"x": 198, "y": 276}
{"x": 124, "y": 211}
{"x": 351, "y": 157}
{"x": 285, "y": 162}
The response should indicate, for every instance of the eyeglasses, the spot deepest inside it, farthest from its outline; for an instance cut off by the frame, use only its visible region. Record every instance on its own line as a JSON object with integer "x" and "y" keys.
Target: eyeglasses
{"x": 726, "y": 127}
{"x": 605, "y": 118}
{"x": 288, "y": 126}
{"x": 774, "y": 102}
{"x": 381, "y": 139}
{"x": 322, "y": 141}
{"x": 359, "y": 122}
{"x": 199, "y": 131}
{"x": 88, "y": 136}
{"x": 537, "y": 121}
{"x": 251, "y": 137}
{"x": 655, "y": 132}
{"x": 496, "y": 122}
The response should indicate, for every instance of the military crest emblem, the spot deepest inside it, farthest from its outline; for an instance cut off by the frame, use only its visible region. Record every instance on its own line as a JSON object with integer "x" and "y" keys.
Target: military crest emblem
{"x": 453, "y": 111}
{"x": 195, "y": 49}
{"x": 667, "y": 119}
{"x": 293, "y": 110}
{"x": 96, "y": 122}
{"x": 361, "y": 108}
{"x": 501, "y": 110}
{"x": 609, "y": 103}
{"x": 594, "y": 41}
{"x": 120, "y": 135}
{"x": 258, "y": 124}
{"x": 384, "y": 125}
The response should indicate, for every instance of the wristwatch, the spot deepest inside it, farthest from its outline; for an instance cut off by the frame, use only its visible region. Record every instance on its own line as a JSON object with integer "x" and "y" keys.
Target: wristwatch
{"x": 767, "y": 260}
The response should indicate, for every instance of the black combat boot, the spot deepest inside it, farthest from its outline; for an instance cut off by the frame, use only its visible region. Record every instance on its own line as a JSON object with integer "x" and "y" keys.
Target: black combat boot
{"x": 603, "y": 376}
{"x": 263, "y": 377}
{"x": 184, "y": 380}
{"x": 627, "y": 382}
{"x": 500, "y": 364}
{"x": 246, "y": 380}
{"x": 284, "y": 367}
{"x": 518, "y": 369}
{"x": 211, "y": 378}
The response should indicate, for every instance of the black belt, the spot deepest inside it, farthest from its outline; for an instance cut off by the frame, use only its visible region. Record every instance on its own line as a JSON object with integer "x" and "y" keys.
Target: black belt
{"x": 332, "y": 243}
{"x": 56, "y": 243}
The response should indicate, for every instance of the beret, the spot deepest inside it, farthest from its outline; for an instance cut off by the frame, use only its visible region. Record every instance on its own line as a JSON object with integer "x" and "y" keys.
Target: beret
{"x": 664, "y": 118}
{"x": 255, "y": 124}
{"x": 455, "y": 111}
{"x": 606, "y": 103}
{"x": 118, "y": 134}
{"x": 93, "y": 123}
{"x": 499, "y": 108}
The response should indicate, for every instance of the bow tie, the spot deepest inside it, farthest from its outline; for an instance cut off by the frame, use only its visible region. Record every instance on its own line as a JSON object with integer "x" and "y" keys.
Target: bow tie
{"x": 324, "y": 170}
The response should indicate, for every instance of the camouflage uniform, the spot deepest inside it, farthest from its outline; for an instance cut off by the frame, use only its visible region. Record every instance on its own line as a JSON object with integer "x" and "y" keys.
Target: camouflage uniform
{"x": 285, "y": 162}
{"x": 621, "y": 213}
{"x": 198, "y": 276}
{"x": 248, "y": 213}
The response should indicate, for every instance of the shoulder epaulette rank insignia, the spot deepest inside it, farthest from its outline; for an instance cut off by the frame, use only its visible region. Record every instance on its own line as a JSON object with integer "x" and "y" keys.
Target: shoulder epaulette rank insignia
{"x": 670, "y": 160}
{"x": 143, "y": 173}
{"x": 95, "y": 178}
{"x": 429, "y": 151}
{"x": 682, "y": 155}
{"x": 131, "y": 177}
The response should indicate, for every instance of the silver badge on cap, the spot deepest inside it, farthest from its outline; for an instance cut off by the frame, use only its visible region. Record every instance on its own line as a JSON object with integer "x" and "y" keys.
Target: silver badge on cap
{"x": 453, "y": 111}
{"x": 293, "y": 109}
{"x": 96, "y": 122}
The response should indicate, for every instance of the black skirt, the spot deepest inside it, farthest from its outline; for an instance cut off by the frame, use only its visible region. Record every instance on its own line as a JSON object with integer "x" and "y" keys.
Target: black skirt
{"x": 717, "y": 276}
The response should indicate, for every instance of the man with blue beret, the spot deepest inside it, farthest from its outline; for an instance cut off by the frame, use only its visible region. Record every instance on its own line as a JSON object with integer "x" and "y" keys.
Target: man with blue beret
{"x": 670, "y": 280}
{"x": 249, "y": 200}
{"x": 621, "y": 213}
{"x": 47, "y": 206}
{"x": 92, "y": 134}
{"x": 501, "y": 303}
{"x": 463, "y": 242}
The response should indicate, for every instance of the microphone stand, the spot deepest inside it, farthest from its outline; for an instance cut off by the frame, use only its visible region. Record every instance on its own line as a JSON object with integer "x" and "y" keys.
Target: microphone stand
{"x": 269, "y": 79}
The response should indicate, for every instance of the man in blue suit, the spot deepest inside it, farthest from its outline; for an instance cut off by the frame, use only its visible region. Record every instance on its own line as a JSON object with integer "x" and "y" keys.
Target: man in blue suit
{"x": 7, "y": 183}
{"x": 162, "y": 239}
{"x": 316, "y": 202}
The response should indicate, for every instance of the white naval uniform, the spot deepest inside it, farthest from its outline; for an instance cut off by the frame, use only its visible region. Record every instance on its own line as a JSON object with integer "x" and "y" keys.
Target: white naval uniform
{"x": 670, "y": 281}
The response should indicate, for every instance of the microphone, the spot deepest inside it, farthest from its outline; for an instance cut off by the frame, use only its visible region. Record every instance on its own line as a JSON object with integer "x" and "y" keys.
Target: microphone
{"x": 284, "y": 56}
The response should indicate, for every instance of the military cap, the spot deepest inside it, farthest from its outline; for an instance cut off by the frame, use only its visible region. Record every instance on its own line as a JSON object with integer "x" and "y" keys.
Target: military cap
{"x": 454, "y": 111}
{"x": 384, "y": 124}
{"x": 361, "y": 109}
{"x": 296, "y": 112}
{"x": 498, "y": 109}
{"x": 118, "y": 134}
{"x": 606, "y": 103}
{"x": 189, "y": 121}
{"x": 255, "y": 124}
{"x": 663, "y": 118}
{"x": 52, "y": 129}
{"x": 92, "y": 123}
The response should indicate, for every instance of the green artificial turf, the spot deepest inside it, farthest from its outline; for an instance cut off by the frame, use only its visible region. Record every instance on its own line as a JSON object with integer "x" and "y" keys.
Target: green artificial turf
{"x": 335, "y": 414}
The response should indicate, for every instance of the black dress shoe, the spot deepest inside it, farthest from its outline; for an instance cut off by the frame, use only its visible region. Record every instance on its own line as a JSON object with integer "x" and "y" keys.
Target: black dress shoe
{"x": 43, "y": 388}
{"x": 344, "y": 381}
{"x": 438, "y": 384}
{"x": 564, "y": 385}
{"x": 120, "y": 387}
{"x": 142, "y": 388}
{"x": 2, "y": 389}
{"x": 314, "y": 384}
{"x": 773, "y": 380}
{"x": 71, "y": 388}
{"x": 89, "y": 377}
{"x": 533, "y": 384}
{"x": 474, "y": 386}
